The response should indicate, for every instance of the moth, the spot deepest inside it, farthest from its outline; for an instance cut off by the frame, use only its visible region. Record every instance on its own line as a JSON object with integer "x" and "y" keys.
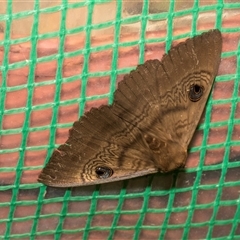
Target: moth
{"x": 150, "y": 124}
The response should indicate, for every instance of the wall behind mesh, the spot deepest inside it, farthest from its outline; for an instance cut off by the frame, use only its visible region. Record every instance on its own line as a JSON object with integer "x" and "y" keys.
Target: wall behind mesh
{"x": 59, "y": 59}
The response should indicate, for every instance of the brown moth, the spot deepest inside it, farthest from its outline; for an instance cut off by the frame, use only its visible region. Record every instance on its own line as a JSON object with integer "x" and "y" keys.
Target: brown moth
{"x": 148, "y": 127}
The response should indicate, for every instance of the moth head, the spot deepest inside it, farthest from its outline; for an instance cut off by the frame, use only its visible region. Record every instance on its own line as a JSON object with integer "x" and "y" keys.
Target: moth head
{"x": 167, "y": 154}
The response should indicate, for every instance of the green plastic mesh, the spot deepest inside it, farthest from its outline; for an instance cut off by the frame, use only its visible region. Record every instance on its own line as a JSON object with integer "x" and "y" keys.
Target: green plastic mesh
{"x": 199, "y": 202}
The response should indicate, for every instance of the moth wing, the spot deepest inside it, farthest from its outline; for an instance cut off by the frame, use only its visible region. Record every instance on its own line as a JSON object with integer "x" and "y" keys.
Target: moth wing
{"x": 136, "y": 100}
{"x": 155, "y": 97}
{"x": 194, "y": 62}
{"x": 98, "y": 139}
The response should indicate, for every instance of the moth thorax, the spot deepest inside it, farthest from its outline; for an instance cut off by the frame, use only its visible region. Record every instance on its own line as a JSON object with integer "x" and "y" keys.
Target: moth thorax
{"x": 170, "y": 157}
{"x": 154, "y": 143}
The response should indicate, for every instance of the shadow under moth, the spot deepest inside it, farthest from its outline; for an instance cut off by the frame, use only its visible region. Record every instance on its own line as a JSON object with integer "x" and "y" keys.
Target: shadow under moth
{"x": 150, "y": 124}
